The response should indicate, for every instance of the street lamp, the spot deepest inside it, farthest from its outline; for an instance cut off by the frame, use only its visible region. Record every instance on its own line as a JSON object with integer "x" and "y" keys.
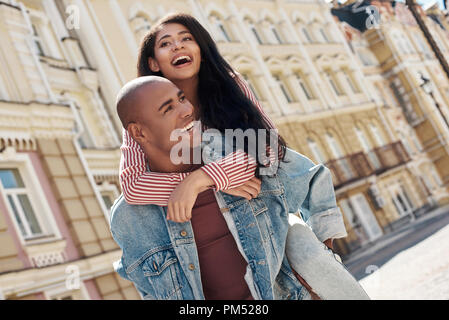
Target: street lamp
{"x": 427, "y": 87}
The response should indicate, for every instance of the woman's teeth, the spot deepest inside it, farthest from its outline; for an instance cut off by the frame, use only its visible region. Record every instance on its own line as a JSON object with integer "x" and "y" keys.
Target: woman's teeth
{"x": 180, "y": 60}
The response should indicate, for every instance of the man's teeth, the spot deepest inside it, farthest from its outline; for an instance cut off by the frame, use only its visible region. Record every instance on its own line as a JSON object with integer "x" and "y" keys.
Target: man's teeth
{"x": 187, "y": 127}
{"x": 182, "y": 57}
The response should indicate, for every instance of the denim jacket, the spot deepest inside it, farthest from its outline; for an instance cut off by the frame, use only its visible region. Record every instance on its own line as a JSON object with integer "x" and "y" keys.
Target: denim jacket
{"x": 160, "y": 257}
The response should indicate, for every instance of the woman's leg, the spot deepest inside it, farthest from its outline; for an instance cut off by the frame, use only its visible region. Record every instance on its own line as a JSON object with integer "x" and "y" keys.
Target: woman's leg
{"x": 318, "y": 265}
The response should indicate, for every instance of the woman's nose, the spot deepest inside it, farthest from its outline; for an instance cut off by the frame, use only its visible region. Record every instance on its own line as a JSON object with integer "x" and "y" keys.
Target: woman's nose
{"x": 177, "y": 45}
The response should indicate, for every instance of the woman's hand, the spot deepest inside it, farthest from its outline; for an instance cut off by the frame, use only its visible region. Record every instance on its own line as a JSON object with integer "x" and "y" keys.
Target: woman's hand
{"x": 183, "y": 198}
{"x": 249, "y": 190}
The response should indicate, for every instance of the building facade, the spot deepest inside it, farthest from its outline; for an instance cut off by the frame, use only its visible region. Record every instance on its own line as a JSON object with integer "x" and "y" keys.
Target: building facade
{"x": 326, "y": 85}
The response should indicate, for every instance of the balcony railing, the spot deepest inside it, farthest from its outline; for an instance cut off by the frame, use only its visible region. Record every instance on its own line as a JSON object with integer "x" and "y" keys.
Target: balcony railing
{"x": 390, "y": 156}
{"x": 360, "y": 165}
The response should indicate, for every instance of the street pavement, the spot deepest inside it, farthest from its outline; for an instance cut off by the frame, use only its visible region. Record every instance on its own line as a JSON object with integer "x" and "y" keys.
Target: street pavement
{"x": 409, "y": 264}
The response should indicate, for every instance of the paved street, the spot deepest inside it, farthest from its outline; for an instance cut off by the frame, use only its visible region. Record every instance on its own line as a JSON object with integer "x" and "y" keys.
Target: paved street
{"x": 411, "y": 264}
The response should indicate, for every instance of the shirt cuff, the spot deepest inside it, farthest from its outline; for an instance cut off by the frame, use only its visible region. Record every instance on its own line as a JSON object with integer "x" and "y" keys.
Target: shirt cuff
{"x": 217, "y": 174}
{"x": 328, "y": 224}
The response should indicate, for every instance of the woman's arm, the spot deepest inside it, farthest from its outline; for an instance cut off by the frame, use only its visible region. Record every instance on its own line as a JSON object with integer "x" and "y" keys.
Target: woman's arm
{"x": 143, "y": 187}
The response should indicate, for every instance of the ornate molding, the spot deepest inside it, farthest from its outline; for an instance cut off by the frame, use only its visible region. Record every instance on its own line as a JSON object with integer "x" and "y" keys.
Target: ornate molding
{"x": 22, "y": 123}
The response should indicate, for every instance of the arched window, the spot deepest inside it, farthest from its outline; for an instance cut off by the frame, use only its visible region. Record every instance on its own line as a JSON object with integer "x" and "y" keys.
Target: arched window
{"x": 304, "y": 84}
{"x": 367, "y": 147}
{"x": 401, "y": 42}
{"x": 377, "y": 135}
{"x": 316, "y": 150}
{"x": 219, "y": 29}
{"x": 334, "y": 146}
{"x": 273, "y": 35}
{"x": 254, "y": 31}
{"x": 140, "y": 25}
{"x": 306, "y": 35}
{"x": 331, "y": 79}
{"x": 288, "y": 96}
{"x": 251, "y": 85}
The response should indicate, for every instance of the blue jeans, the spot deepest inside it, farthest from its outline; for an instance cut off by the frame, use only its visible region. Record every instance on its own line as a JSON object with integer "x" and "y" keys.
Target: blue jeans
{"x": 318, "y": 265}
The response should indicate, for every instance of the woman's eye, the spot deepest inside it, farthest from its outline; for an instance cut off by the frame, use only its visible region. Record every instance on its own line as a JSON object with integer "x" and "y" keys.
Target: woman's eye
{"x": 168, "y": 109}
{"x": 187, "y": 38}
{"x": 182, "y": 99}
{"x": 163, "y": 44}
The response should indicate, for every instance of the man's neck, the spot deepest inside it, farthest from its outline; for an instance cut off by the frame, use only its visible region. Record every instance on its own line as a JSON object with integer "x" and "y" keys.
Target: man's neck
{"x": 162, "y": 163}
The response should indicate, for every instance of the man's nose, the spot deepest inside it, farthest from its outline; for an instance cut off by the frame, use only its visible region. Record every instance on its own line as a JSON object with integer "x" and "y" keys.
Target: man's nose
{"x": 186, "y": 111}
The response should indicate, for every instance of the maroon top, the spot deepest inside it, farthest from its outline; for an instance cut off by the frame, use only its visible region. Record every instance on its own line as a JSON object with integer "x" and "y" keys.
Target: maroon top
{"x": 221, "y": 264}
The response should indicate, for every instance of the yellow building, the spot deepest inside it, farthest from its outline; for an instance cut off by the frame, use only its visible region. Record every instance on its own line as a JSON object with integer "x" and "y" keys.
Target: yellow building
{"x": 62, "y": 64}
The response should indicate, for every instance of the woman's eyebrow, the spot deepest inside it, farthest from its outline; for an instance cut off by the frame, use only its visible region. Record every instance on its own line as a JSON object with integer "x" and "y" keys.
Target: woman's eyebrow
{"x": 168, "y": 35}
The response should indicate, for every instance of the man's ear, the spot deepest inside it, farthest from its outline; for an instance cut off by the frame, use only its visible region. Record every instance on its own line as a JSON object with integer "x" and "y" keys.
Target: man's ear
{"x": 154, "y": 66}
{"x": 136, "y": 132}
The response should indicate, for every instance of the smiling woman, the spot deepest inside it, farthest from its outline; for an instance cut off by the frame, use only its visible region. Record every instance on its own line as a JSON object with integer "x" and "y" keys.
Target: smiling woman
{"x": 178, "y": 48}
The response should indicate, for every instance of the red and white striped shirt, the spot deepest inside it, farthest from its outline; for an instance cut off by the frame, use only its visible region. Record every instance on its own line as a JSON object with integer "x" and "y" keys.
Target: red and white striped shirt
{"x": 144, "y": 187}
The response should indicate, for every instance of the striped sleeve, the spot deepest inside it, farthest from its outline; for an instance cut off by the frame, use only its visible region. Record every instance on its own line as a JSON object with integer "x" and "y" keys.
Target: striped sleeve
{"x": 139, "y": 185}
{"x": 143, "y": 187}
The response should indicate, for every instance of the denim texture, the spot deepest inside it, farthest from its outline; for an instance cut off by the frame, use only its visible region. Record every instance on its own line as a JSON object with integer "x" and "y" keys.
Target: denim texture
{"x": 160, "y": 256}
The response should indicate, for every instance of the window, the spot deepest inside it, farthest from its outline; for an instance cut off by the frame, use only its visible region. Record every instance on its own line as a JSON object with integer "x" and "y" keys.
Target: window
{"x": 306, "y": 35}
{"x": 351, "y": 82}
{"x": 37, "y": 43}
{"x": 107, "y": 200}
{"x": 316, "y": 151}
{"x": 19, "y": 203}
{"x": 109, "y": 193}
{"x": 330, "y": 78}
{"x": 254, "y": 31}
{"x": 305, "y": 87}
{"x": 366, "y": 58}
{"x": 402, "y": 42}
{"x": 377, "y": 136}
{"x": 250, "y": 84}
{"x": 3, "y": 91}
{"x": 366, "y": 146}
{"x": 324, "y": 35}
{"x": 277, "y": 38}
{"x": 220, "y": 29}
{"x": 333, "y": 145}
{"x": 44, "y": 40}
{"x": 224, "y": 32}
{"x": 436, "y": 177}
{"x": 284, "y": 89}
{"x": 140, "y": 26}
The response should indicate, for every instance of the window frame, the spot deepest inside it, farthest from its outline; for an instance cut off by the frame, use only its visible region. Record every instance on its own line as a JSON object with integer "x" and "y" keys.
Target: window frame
{"x": 284, "y": 88}
{"x": 36, "y": 197}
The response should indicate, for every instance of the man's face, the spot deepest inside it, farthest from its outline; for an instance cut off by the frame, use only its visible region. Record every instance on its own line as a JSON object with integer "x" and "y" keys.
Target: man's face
{"x": 164, "y": 109}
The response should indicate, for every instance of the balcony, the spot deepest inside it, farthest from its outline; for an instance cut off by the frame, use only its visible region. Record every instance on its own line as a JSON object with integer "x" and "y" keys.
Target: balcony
{"x": 361, "y": 165}
{"x": 390, "y": 156}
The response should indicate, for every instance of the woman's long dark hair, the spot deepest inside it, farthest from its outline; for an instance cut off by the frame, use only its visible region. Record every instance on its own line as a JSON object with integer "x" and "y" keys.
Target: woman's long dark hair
{"x": 223, "y": 105}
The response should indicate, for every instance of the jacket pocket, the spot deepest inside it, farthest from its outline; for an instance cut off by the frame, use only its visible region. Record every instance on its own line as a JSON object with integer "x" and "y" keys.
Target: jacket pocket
{"x": 162, "y": 271}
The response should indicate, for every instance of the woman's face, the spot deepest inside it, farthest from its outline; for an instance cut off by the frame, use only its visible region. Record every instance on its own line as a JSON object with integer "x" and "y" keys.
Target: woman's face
{"x": 177, "y": 54}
